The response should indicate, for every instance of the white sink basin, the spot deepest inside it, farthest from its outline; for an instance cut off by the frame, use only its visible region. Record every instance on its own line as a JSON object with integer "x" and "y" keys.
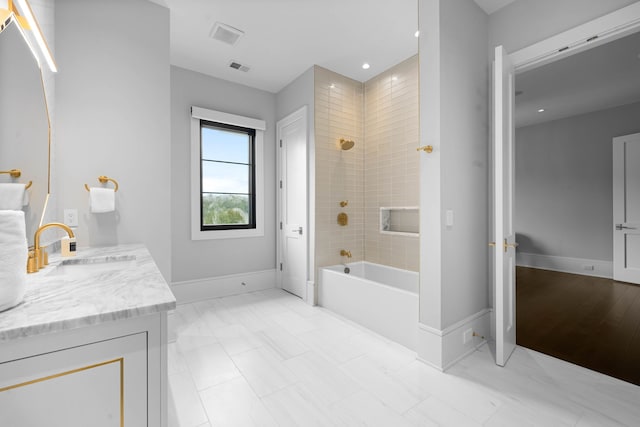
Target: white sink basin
{"x": 93, "y": 266}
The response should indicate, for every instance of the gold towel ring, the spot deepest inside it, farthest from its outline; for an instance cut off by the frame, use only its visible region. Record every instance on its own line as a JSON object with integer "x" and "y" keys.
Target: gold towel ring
{"x": 103, "y": 180}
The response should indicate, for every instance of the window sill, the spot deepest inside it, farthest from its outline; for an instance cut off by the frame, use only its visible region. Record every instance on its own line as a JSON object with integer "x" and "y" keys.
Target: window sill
{"x": 225, "y": 234}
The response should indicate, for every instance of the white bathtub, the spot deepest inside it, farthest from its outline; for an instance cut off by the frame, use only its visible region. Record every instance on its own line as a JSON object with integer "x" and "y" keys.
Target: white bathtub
{"x": 383, "y": 299}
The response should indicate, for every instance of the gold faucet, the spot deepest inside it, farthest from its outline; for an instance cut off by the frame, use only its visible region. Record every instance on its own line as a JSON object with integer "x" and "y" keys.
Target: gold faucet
{"x": 38, "y": 258}
{"x": 346, "y": 253}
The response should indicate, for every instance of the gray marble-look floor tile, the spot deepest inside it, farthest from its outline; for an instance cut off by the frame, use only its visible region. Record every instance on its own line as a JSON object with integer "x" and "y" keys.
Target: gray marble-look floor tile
{"x": 294, "y": 406}
{"x": 375, "y": 381}
{"x": 324, "y": 379}
{"x": 210, "y": 365}
{"x": 435, "y": 412}
{"x": 364, "y": 409}
{"x": 282, "y": 342}
{"x": 237, "y": 339}
{"x": 233, "y": 403}
{"x": 184, "y": 401}
{"x": 264, "y": 371}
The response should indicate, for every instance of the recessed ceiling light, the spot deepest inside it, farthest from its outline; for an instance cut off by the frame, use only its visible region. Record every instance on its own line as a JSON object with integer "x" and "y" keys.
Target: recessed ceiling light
{"x": 541, "y": 110}
{"x": 332, "y": 86}
{"x": 394, "y": 78}
{"x": 417, "y": 33}
{"x": 365, "y": 66}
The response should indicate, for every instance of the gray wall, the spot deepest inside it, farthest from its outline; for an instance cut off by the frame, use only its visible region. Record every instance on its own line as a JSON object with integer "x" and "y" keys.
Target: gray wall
{"x": 211, "y": 258}
{"x": 526, "y": 22}
{"x": 564, "y": 183}
{"x": 112, "y": 118}
{"x": 454, "y": 119}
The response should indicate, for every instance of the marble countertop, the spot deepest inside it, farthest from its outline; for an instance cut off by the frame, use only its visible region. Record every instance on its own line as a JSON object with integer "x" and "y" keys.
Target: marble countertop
{"x": 127, "y": 284}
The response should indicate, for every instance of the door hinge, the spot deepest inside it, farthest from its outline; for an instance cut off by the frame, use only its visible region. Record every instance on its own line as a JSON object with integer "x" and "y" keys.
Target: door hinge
{"x": 280, "y": 183}
{"x": 280, "y": 143}
{"x": 280, "y": 225}
{"x": 280, "y": 266}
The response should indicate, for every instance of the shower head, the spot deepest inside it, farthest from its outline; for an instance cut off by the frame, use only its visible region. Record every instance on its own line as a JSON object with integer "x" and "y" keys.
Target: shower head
{"x": 346, "y": 144}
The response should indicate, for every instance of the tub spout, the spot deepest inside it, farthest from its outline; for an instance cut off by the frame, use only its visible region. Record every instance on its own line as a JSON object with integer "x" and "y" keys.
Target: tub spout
{"x": 346, "y": 253}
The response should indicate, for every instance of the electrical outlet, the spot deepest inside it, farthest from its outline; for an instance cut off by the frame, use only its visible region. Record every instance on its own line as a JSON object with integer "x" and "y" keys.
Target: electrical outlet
{"x": 467, "y": 336}
{"x": 71, "y": 217}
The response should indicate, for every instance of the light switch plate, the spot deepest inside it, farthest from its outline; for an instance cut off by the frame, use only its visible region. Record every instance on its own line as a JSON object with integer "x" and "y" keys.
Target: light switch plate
{"x": 449, "y": 218}
{"x": 71, "y": 217}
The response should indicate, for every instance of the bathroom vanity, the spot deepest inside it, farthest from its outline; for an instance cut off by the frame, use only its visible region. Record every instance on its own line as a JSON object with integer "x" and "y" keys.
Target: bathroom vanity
{"x": 88, "y": 344}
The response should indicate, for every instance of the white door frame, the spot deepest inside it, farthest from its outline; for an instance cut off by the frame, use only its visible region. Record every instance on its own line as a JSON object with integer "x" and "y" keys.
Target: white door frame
{"x": 599, "y": 31}
{"x": 623, "y": 228}
{"x": 302, "y": 112}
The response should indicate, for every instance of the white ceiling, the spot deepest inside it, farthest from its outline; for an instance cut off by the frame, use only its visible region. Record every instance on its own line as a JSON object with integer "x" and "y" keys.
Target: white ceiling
{"x": 490, "y": 6}
{"x": 284, "y": 38}
{"x": 602, "y": 77}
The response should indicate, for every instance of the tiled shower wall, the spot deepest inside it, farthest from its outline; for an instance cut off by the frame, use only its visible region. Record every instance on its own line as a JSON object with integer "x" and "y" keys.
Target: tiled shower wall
{"x": 381, "y": 170}
{"x": 339, "y": 174}
{"x": 391, "y": 162}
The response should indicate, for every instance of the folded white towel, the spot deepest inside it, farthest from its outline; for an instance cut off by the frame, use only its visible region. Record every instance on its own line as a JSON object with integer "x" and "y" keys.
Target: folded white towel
{"x": 12, "y": 196}
{"x": 102, "y": 200}
{"x": 13, "y": 258}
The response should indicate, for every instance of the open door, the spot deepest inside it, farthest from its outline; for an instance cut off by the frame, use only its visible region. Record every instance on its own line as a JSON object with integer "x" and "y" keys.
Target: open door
{"x": 626, "y": 208}
{"x": 504, "y": 243}
{"x": 292, "y": 135}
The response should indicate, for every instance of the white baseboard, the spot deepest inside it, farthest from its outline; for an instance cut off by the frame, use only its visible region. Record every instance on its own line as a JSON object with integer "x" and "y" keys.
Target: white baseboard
{"x": 442, "y": 349}
{"x": 566, "y": 264}
{"x": 222, "y": 286}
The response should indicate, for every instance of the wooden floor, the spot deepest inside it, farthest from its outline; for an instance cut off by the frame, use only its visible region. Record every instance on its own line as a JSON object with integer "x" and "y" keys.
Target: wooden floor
{"x": 589, "y": 321}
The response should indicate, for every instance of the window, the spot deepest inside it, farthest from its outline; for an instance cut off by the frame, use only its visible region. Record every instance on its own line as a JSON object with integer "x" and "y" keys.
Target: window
{"x": 226, "y": 175}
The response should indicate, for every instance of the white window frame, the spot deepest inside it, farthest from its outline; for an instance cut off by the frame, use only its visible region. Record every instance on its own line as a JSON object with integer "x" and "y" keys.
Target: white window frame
{"x": 197, "y": 114}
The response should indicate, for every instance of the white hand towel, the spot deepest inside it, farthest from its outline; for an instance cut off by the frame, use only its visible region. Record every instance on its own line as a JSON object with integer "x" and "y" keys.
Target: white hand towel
{"x": 26, "y": 199}
{"x": 12, "y": 196}
{"x": 102, "y": 200}
{"x": 13, "y": 258}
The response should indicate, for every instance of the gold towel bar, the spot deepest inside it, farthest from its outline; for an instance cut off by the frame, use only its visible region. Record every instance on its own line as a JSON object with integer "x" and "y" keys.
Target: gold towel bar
{"x": 16, "y": 173}
{"x": 103, "y": 180}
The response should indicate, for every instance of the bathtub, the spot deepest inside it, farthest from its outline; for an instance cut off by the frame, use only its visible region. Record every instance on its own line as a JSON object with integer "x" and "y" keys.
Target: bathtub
{"x": 383, "y": 299}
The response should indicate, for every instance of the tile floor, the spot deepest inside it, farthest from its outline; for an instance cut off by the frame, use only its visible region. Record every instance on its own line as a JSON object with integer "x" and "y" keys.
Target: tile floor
{"x": 268, "y": 359}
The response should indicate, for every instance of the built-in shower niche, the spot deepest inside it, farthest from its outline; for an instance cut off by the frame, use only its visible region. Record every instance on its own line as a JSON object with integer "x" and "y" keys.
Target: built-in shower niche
{"x": 400, "y": 220}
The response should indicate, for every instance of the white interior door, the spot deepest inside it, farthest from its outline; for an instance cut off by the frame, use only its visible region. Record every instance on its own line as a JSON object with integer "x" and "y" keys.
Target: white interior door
{"x": 626, "y": 208}
{"x": 504, "y": 248}
{"x": 292, "y": 134}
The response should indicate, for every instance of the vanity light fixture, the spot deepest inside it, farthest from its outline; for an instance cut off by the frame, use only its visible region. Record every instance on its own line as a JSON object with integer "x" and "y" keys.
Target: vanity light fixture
{"x": 366, "y": 66}
{"x": 33, "y": 31}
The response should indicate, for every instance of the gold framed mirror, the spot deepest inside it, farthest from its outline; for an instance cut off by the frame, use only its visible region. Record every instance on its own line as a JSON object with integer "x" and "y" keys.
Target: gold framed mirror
{"x": 25, "y": 127}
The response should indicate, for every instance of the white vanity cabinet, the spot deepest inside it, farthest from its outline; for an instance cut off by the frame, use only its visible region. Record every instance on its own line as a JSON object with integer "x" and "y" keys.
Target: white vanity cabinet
{"x": 99, "y": 376}
{"x": 88, "y": 350}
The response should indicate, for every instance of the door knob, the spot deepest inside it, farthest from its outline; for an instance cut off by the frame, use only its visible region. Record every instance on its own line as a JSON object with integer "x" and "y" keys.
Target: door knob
{"x": 624, "y": 227}
{"x": 505, "y": 245}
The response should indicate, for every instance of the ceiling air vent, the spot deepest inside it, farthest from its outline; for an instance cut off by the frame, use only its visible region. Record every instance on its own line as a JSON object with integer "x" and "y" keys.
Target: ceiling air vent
{"x": 225, "y": 33}
{"x": 238, "y": 66}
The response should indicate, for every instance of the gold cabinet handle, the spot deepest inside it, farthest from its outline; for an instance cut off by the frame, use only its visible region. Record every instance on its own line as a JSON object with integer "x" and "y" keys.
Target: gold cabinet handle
{"x": 426, "y": 148}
